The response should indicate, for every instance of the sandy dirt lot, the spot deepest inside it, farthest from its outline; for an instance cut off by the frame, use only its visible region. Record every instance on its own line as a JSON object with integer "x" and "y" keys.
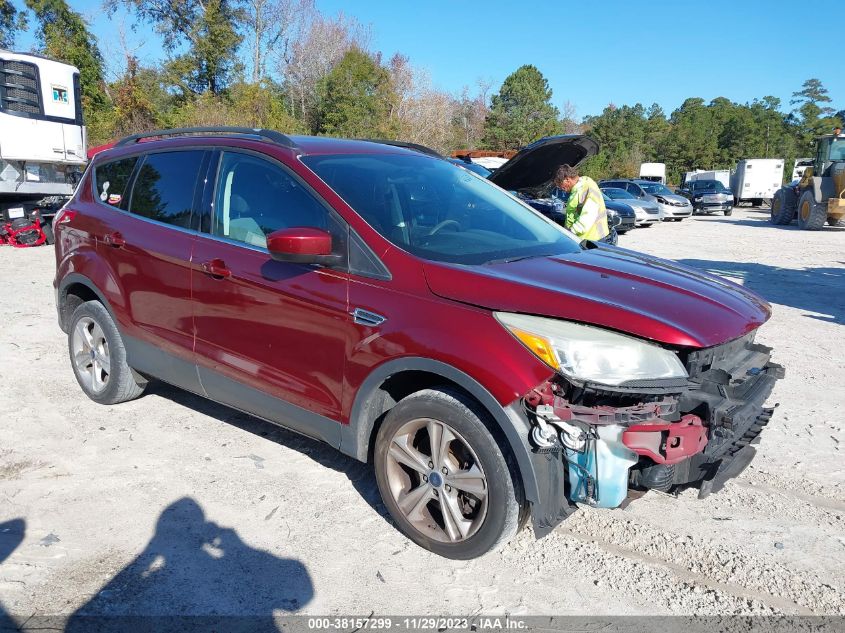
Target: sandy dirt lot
{"x": 173, "y": 504}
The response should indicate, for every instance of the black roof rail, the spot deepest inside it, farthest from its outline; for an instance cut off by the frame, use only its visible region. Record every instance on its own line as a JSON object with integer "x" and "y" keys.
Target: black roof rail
{"x": 422, "y": 149}
{"x": 270, "y": 135}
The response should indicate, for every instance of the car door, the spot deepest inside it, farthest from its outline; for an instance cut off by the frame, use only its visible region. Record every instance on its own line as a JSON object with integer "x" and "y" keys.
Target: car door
{"x": 270, "y": 336}
{"x": 148, "y": 242}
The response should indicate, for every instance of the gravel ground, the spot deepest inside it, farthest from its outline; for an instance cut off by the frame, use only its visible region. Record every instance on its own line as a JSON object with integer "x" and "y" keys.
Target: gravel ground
{"x": 172, "y": 504}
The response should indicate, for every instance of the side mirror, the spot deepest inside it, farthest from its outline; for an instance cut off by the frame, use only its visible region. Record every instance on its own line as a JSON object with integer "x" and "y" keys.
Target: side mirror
{"x": 302, "y": 245}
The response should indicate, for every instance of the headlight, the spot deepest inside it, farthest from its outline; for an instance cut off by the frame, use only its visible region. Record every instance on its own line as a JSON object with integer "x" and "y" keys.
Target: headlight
{"x": 592, "y": 354}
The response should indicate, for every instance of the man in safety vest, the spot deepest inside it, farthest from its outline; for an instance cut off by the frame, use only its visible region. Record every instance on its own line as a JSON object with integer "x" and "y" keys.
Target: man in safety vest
{"x": 586, "y": 215}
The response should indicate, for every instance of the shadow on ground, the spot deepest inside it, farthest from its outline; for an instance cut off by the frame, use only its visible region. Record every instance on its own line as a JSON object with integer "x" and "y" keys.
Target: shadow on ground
{"x": 196, "y": 575}
{"x": 360, "y": 475}
{"x": 11, "y": 535}
{"x": 815, "y": 289}
{"x": 763, "y": 222}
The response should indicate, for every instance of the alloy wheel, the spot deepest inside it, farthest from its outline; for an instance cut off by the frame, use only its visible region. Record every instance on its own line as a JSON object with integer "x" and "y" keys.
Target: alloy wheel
{"x": 91, "y": 356}
{"x": 437, "y": 480}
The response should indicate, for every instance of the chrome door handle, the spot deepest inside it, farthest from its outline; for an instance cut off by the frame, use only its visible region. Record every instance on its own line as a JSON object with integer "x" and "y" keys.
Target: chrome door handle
{"x": 365, "y": 317}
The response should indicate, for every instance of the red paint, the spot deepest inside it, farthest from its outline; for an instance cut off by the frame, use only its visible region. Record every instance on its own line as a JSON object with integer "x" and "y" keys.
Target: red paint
{"x": 287, "y": 329}
{"x": 300, "y": 241}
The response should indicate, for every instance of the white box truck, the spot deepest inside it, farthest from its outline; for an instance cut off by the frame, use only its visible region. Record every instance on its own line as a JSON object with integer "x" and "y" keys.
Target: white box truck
{"x": 655, "y": 172}
{"x": 800, "y": 167}
{"x": 722, "y": 175}
{"x": 42, "y": 137}
{"x": 756, "y": 180}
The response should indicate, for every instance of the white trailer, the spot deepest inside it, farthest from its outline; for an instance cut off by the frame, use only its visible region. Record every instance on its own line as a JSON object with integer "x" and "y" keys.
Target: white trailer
{"x": 42, "y": 134}
{"x": 756, "y": 180}
{"x": 655, "y": 172}
{"x": 722, "y": 175}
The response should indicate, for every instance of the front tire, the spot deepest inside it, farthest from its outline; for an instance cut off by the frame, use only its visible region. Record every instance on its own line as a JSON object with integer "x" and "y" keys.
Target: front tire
{"x": 728, "y": 211}
{"x": 443, "y": 477}
{"x": 784, "y": 204}
{"x": 811, "y": 216}
{"x": 98, "y": 356}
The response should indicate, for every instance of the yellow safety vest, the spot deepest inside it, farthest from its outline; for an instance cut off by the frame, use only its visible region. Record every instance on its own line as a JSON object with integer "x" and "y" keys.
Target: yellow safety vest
{"x": 593, "y": 223}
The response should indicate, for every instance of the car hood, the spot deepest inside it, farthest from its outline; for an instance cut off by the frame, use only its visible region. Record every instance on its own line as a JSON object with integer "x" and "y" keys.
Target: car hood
{"x": 675, "y": 198}
{"x": 610, "y": 287}
{"x": 619, "y": 207}
{"x": 534, "y": 166}
{"x": 644, "y": 204}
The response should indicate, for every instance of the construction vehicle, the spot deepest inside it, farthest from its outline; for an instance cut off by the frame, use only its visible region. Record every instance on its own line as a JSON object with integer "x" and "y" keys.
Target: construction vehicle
{"x": 42, "y": 144}
{"x": 819, "y": 196}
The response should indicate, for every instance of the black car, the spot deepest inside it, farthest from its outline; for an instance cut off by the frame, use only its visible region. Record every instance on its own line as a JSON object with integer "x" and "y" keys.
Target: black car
{"x": 708, "y": 196}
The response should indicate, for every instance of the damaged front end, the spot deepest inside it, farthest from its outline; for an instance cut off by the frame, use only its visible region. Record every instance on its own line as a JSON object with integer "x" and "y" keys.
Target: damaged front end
{"x": 613, "y": 442}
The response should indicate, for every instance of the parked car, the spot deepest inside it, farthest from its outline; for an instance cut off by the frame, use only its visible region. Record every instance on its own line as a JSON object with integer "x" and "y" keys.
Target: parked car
{"x": 645, "y": 211}
{"x": 627, "y": 217}
{"x": 708, "y": 196}
{"x": 411, "y": 314}
{"x": 672, "y": 206}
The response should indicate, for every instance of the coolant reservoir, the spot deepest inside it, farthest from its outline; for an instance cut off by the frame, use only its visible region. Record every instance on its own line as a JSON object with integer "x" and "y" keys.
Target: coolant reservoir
{"x": 599, "y": 475}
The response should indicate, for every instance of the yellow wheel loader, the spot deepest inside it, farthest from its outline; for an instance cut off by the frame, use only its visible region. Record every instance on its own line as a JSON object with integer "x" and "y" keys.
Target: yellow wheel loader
{"x": 819, "y": 196}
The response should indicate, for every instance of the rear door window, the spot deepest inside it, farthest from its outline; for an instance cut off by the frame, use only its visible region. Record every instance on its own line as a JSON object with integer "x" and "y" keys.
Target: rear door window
{"x": 165, "y": 186}
{"x": 111, "y": 180}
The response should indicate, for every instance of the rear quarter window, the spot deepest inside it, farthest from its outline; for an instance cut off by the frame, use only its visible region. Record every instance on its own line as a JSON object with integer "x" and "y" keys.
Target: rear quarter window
{"x": 111, "y": 180}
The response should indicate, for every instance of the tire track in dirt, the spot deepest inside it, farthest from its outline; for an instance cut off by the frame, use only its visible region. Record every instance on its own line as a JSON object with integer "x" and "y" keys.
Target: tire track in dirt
{"x": 698, "y": 561}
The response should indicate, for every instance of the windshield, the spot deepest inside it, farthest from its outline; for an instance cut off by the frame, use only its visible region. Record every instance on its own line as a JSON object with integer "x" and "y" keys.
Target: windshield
{"x": 656, "y": 189}
{"x": 473, "y": 167}
{"x": 438, "y": 211}
{"x": 708, "y": 185}
{"x": 837, "y": 149}
{"x": 618, "y": 194}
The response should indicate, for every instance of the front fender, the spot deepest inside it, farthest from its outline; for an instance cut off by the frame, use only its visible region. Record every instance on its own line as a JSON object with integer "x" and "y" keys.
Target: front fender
{"x": 542, "y": 475}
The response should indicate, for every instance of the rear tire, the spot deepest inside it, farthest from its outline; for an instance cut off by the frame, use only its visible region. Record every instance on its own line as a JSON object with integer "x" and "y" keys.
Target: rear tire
{"x": 784, "y": 205}
{"x": 811, "y": 216}
{"x": 421, "y": 486}
{"x": 98, "y": 357}
{"x": 47, "y": 227}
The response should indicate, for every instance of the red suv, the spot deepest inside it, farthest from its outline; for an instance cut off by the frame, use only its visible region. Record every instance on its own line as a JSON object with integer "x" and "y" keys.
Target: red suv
{"x": 414, "y": 315}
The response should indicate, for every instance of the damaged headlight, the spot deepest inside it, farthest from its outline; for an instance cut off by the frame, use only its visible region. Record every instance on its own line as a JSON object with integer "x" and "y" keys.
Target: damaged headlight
{"x": 592, "y": 354}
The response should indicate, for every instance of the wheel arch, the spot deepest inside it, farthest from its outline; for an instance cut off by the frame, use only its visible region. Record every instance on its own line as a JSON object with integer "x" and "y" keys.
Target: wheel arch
{"x": 81, "y": 287}
{"x": 395, "y": 379}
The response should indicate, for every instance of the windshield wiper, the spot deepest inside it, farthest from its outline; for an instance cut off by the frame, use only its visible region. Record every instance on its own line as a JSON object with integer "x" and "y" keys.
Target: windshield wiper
{"x": 508, "y": 260}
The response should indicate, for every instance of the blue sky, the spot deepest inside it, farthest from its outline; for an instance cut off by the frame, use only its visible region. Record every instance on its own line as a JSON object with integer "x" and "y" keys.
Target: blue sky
{"x": 593, "y": 53}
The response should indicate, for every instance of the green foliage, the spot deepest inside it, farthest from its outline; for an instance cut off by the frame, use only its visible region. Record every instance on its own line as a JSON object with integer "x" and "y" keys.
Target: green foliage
{"x": 209, "y": 29}
{"x": 11, "y": 22}
{"x": 812, "y": 117}
{"x": 701, "y": 135}
{"x": 246, "y": 105}
{"x": 355, "y": 98}
{"x": 521, "y": 112}
{"x": 63, "y": 35}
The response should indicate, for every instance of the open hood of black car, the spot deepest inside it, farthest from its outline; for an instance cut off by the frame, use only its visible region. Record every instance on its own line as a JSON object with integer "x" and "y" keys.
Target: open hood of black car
{"x": 535, "y": 165}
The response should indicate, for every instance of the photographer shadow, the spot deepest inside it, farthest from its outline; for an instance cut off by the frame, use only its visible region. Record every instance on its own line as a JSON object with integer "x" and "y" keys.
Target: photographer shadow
{"x": 11, "y": 536}
{"x": 196, "y": 575}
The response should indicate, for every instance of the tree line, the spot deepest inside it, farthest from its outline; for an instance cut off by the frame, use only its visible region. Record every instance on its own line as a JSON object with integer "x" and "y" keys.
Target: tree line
{"x": 283, "y": 64}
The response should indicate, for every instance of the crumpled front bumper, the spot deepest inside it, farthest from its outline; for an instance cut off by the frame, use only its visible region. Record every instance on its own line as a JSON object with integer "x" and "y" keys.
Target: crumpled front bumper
{"x": 703, "y": 432}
